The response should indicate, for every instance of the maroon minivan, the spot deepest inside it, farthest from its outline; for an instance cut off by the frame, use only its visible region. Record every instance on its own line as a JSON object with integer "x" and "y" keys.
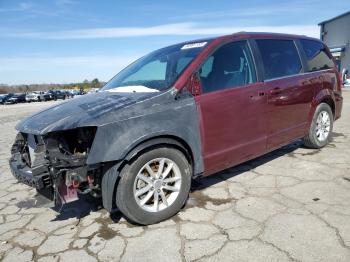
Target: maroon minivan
{"x": 183, "y": 111}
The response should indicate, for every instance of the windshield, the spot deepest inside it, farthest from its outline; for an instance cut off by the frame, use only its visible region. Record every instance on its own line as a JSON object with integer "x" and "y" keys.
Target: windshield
{"x": 158, "y": 70}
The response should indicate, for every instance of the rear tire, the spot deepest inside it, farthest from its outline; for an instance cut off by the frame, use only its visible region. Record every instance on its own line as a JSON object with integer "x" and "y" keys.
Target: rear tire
{"x": 147, "y": 194}
{"x": 321, "y": 127}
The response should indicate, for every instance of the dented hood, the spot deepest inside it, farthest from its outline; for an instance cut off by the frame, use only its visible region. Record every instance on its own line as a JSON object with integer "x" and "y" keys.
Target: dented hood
{"x": 88, "y": 110}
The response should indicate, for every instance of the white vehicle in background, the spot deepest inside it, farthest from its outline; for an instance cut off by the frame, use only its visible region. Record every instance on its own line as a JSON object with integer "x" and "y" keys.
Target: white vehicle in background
{"x": 38, "y": 96}
{"x": 93, "y": 90}
{"x": 77, "y": 93}
{"x": 347, "y": 83}
{"x": 344, "y": 77}
{"x": 32, "y": 97}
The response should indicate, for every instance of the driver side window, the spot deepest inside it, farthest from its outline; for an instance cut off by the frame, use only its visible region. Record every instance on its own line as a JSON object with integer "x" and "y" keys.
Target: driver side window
{"x": 228, "y": 67}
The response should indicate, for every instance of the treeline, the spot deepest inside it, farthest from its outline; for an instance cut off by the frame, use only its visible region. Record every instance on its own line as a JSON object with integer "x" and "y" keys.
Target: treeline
{"x": 84, "y": 86}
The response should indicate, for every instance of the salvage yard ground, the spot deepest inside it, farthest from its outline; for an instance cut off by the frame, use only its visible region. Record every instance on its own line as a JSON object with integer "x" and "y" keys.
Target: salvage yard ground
{"x": 290, "y": 205}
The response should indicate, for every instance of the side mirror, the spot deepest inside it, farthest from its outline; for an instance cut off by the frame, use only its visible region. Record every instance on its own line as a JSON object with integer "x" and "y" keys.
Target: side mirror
{"x": 194, "y": 84}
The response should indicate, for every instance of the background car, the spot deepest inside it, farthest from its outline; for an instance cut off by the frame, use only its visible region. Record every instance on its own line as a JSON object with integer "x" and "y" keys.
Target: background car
{"x": 16, "y": 98}
{"x": 46, "y": 96}
{"x": 94, "y": 90}
{"x": 57, "y": 94}
{"x": 5, "y": 97}
{"x": 68, "y": 93}
{"x": 78, "y": 93}
{"x": 1, "y": 98}
{"x": 71, "y": 93}
{"x": 32, "y": 97}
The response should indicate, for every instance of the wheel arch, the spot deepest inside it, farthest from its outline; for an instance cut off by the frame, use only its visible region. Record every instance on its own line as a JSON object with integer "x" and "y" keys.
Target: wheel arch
{"x": 167, "y": 140}
{"x": 324, "y": 96}
{"x": 329, "y": 101}
{"x": 111, "y": 177}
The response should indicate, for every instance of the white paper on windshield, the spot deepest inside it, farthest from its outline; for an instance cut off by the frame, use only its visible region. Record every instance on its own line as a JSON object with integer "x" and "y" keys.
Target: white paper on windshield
{"x": 132, "y": 89}
{"x": 194, "y": 45}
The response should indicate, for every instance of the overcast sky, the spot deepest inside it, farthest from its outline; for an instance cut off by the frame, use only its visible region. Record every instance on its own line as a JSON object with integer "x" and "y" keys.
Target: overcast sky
{"x": 62, "y": 41}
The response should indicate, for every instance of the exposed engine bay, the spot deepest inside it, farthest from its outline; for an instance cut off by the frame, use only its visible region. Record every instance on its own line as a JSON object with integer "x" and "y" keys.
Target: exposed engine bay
{"x": 56, "y": 163}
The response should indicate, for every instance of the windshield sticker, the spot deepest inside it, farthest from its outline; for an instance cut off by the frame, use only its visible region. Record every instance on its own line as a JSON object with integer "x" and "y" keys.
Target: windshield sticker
{"x": 132, "y": 89}
{"x": 194, "y": 45}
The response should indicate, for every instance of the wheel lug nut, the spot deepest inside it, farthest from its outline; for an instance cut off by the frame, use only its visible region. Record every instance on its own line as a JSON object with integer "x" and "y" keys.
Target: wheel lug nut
{"x": 158, "y": 190}
{"x": 163, "y": 184}
{"x": 152, "y": 188}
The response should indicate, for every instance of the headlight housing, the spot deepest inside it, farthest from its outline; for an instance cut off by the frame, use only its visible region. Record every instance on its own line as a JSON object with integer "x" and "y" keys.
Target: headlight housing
{"x": 70, "y": 147}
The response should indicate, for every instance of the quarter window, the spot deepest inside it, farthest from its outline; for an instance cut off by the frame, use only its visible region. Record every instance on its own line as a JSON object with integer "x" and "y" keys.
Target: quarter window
{"x": 280, "y": 58}
{"x": 317, "y": 58}
{"x": 228, "y": 67}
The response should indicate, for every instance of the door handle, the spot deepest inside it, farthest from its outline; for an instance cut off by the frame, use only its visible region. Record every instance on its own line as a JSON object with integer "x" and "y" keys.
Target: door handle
{"x": 276, "y": 91}
{"x": 260, "y": 94}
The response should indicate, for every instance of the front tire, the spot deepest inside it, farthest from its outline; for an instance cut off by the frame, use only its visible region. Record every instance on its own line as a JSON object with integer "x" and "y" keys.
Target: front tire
{"x": 154, "y": 186}
{"x": 321, "y": 127}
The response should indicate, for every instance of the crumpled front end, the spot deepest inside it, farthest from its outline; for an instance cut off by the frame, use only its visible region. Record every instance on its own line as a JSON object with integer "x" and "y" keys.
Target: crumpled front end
{"x": 56, "y": 163}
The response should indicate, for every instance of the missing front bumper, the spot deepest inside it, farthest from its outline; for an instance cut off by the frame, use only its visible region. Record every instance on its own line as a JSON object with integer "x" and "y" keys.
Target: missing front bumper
{"x": 24, "y": 174}
{"x": 56, "y": 163}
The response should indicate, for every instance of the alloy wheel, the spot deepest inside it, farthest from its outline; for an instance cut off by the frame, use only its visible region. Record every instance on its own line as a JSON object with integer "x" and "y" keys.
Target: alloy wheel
{"x": 157, "y": 184}
{"x": 323, "y": 126}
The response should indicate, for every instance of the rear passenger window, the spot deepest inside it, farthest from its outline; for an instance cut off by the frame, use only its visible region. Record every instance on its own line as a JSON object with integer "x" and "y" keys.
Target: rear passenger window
{"x": 317, "y": 58}
{"x": 280, "y": 58}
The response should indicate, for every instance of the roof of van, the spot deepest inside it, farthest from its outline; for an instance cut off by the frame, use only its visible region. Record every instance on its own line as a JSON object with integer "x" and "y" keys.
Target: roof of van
{"x": 269, "y": 34}
{"x": 244, "y": 34}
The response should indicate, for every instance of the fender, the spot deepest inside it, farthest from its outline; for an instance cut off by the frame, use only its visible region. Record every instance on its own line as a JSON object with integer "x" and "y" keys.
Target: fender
{"x": 117, "y": 142}
{"x": 176, "y": 118}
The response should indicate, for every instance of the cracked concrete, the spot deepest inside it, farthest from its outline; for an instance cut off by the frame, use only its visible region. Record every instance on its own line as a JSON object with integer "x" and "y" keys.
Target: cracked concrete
{"x": 290, "y": 205}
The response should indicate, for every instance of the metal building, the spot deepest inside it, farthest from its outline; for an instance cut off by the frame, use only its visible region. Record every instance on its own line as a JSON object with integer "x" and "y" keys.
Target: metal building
{"x": 335, "y": 33}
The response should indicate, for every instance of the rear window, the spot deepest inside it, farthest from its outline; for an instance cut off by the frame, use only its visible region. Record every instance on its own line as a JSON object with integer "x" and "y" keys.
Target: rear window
{"x": 280, "y": 58}
{"x": 317, "y": 58}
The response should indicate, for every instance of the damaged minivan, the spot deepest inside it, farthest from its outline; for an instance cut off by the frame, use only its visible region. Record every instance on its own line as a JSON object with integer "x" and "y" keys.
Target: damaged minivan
{"x": 181, "y": 112}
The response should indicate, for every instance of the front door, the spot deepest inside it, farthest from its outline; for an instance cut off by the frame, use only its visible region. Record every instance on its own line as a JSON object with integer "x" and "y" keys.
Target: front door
{"x": 232, "y": 108}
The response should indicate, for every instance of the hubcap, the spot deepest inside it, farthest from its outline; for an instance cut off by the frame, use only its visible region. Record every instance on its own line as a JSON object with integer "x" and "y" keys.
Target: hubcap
{"x": 323, "y": 126}
{"x": 157, "y": 184}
